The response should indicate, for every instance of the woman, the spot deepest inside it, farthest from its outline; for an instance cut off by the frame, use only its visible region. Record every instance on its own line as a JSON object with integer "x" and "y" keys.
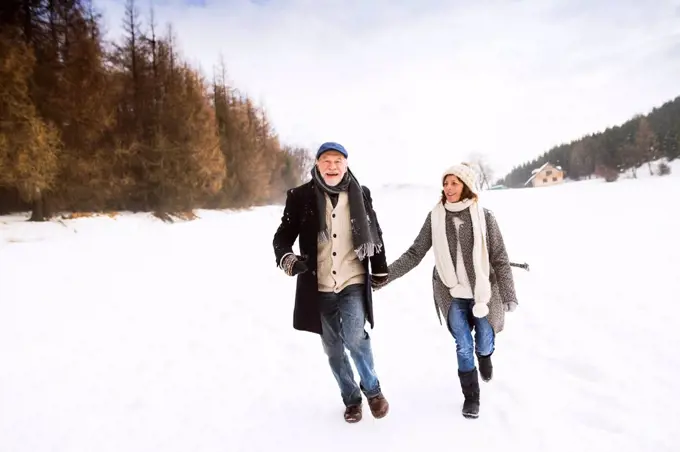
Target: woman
{"x": 472, "y": 279}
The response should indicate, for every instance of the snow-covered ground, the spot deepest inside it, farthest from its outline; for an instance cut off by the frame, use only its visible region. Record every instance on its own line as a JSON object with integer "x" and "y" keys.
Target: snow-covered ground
{"x": 130, "y": 334}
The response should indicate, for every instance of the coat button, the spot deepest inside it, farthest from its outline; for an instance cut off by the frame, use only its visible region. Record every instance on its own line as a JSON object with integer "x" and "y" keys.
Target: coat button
{"x": 334, "y": 253}
{"x": 334, "y": 272}
{"x": 335, "y": 235}
{"x": 333, "y": 215}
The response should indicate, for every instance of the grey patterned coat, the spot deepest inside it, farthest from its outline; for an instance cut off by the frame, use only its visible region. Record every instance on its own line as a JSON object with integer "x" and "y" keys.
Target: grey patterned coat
{"x": 502, "y": 283}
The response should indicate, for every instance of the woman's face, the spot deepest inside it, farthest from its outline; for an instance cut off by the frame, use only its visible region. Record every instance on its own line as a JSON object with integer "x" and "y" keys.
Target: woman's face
{"x": 453, "y": 188}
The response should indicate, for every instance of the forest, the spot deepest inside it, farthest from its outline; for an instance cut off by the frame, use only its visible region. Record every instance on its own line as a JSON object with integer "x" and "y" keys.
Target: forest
{"x": 92, "y": 125}
{"x": 631, "y": 146}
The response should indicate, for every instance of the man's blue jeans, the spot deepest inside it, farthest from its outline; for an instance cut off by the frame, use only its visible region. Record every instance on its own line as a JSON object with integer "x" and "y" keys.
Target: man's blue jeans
{"x": 459, "y": 312}
{"x": 342, "y": 318}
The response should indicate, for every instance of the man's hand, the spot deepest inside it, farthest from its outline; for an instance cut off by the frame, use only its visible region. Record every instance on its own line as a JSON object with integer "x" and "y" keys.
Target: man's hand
{"x": 509, "y": 307}
{"x": 379, "y": 281}
{"x": 294, "y": 265}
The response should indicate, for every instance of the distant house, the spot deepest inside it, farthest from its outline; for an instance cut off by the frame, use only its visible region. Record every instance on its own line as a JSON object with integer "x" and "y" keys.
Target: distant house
{"x": 546, "y": 175}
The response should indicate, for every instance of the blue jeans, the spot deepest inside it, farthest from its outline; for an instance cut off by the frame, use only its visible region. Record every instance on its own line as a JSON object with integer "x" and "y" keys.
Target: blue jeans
{"x": 459, "y": 312}
{"x": 342, "y": 318}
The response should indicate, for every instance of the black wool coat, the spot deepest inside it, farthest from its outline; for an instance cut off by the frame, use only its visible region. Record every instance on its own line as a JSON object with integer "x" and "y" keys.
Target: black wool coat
{"x": 300, "y": 220}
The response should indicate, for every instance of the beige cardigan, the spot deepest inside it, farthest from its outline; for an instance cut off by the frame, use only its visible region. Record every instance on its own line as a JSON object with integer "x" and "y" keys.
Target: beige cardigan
{"x": 338, "y": 264}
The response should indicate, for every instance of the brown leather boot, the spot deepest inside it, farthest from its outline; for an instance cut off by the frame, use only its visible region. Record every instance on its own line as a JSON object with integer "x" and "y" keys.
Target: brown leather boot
{"x": 379, "y": 406}
{"x": 353, "y": 413}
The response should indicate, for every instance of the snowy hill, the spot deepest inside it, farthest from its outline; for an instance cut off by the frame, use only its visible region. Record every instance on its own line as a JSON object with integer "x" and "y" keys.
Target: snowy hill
{"x": 130, "y": 334}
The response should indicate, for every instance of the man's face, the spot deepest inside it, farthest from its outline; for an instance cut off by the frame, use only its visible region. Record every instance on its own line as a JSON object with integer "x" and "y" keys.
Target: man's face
{"x": 332, "y": 166}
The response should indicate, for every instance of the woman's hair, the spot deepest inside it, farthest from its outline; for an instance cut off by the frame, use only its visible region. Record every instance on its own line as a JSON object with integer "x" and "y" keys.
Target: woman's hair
{"x": 466, "y": 194}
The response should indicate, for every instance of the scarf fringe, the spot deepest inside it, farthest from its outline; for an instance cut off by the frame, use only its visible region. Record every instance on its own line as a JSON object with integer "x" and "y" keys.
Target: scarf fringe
{"x": 324, "y": 236}
{"x": 368, "y": 250}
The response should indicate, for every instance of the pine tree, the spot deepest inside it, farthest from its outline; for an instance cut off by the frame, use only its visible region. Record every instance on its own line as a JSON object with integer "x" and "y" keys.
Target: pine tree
{"x": 29, "y": 146}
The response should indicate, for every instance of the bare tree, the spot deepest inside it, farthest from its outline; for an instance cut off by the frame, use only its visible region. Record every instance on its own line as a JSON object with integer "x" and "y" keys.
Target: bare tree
{"x": 481, "y": 164}
{"x": 303, "y": 163}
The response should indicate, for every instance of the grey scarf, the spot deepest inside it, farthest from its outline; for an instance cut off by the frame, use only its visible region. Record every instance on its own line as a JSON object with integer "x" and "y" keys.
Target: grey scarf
{"x": 364, "y": 225}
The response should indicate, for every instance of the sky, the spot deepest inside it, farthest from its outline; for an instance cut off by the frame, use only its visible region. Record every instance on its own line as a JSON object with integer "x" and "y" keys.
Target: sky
{"x": 412, "y": 87}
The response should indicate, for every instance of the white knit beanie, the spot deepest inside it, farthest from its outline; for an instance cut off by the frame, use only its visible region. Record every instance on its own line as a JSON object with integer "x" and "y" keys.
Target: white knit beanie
{"x": 466, "y": 174}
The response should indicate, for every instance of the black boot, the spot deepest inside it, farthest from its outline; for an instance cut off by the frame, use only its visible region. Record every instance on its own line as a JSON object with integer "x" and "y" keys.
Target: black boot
{"x": 485, "y": 367}
{"x": 470, "y": 386}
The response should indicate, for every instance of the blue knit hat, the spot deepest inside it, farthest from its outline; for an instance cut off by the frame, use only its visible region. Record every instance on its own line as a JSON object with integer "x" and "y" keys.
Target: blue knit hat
{"x": 331, "y": 146}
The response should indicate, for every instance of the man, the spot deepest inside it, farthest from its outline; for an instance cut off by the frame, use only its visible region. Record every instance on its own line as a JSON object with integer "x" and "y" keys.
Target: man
{"x": 341, "y": 259}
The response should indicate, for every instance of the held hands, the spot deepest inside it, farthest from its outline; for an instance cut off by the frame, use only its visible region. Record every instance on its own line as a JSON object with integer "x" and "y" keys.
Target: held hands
{"x": 378, "y": 282}
{"x": 294, "y": 265}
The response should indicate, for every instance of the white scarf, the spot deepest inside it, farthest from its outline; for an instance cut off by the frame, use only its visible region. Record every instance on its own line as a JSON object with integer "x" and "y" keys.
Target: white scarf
{"x": 480, "y": 252}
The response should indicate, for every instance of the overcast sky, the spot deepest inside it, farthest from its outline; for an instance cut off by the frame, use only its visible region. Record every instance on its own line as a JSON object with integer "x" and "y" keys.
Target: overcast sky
{"x": 412, "y": 87}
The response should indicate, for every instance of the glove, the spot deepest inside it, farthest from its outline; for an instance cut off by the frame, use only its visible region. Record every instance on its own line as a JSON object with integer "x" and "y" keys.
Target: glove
{"x": 294, "y": 265}
{"x": 509, "y": 307}
{"x": 378, "y": 282}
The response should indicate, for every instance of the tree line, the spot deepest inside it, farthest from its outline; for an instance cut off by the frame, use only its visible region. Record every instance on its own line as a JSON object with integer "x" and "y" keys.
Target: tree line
{"x": 91, "y": 125}
{"x": 631, "y": 146}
